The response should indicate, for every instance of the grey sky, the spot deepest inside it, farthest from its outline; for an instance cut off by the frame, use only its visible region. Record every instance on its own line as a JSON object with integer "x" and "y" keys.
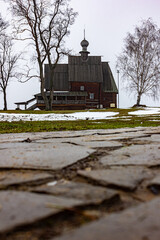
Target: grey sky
{"x": 106, "y": 23}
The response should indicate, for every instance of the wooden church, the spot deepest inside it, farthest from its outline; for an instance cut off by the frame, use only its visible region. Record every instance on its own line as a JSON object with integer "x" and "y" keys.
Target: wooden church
{"x": 84, "y": 83}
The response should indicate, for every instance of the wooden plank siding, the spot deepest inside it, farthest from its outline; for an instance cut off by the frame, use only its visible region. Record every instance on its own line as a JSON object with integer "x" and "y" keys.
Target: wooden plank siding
{"x": 89, "y": 87}
{"x": 108, "y": 98}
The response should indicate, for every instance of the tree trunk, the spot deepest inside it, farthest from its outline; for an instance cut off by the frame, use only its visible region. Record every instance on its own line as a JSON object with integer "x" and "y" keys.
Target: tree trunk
{"x": 44, "y": 96}
{"x": 42, "y": 87}
{"x": 138, "y": 99}
{"x": 52, "y": 68}
{"x": 51, "y": 100}
{"x": 5, "y": 99}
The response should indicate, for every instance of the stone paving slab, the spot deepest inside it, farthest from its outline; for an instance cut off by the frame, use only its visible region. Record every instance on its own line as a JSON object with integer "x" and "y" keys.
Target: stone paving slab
{"x": 34, "y": 136}
{"x": 41, "y": 156}
{"x": 153, "y": 139}
{"x": 96, "y": 141}
{"x": 123, "y": 177}
{"x": 93, "y": 141}
{"x": 153, "y": 130}
{"x": 19, "y": 208}
{"x": 139, "y": 223}
{"x": 8, "y": 178}
{"x": 18, "y": 137}
{"x": 148, "y": 155}
{"x": 85, "y": 192}
{"x": 126, "y": 135}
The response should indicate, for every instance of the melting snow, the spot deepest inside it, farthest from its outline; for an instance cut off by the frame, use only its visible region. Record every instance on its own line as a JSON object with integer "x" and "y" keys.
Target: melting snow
{"x": 146, "y": 111}
{"x": 10, "y": 117}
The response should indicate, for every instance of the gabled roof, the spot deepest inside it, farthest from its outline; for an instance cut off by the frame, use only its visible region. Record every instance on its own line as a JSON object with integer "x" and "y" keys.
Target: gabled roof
{"x": 109, "y": 84}
{"x": 77, "y": 70}
{"x": 60, "y": 82}
{"x": 85, "y": 71}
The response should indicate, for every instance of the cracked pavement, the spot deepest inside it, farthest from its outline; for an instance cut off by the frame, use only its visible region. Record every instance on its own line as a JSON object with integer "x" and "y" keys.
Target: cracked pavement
{"x": 95, "y": 184}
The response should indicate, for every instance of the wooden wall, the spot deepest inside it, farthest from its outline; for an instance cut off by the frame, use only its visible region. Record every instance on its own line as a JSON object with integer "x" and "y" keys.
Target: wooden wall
{"x": 108, "y": 98}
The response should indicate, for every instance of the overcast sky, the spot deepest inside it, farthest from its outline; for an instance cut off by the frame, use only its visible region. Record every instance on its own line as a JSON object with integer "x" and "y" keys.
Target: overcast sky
{"x": 106, "y": 23}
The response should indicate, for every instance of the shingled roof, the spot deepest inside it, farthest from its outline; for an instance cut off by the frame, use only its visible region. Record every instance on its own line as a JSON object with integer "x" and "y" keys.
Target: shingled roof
{"x": 60, "y": 82}
{"x": 108, "y": 79}
{"x": 85, "y": 71}
{"x": 78, "y": 71}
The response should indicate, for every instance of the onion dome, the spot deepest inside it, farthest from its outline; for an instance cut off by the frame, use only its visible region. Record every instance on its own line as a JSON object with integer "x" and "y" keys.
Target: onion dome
{"x": 84, "y": 53}
{"x": 84, "y": 43}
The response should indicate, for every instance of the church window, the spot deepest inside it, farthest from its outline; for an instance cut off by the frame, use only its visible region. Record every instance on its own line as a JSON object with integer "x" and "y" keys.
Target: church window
{"x": 81, "y": 88}
{"x": 91, "y": 95}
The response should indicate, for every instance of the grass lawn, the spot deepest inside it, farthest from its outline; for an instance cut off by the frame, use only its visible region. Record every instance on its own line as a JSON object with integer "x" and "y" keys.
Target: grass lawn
{"x": 122, "y": 120}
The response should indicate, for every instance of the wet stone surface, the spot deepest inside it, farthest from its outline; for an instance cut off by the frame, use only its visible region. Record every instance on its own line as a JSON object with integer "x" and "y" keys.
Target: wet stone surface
{"x": 123, "y": 177}
{"x": 24, "y": 207}
{"x": 11, "y": 178}
{"x": 95, "y": 184}
{"x": 93, "y": 141}
{"x": 137, "y": 223}
{"x": 148, "y": 155}
{"x": 41, "y": 155}
{"x": 77, "y": 190}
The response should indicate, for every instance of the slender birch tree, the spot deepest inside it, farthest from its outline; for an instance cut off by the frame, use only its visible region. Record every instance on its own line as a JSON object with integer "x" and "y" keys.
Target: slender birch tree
{"x": 139, "y": 62}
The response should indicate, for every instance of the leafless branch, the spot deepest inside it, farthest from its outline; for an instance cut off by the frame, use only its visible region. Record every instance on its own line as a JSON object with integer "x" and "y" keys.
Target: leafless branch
{"x": 139, "y": 62}
{"x": 46, "y": 24}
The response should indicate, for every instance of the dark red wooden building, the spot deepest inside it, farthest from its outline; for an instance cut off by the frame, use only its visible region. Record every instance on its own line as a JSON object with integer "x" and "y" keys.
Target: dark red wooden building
{"x": 85, "y": 82}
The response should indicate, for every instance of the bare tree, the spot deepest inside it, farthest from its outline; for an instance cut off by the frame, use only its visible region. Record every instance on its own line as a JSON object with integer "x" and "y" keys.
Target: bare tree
{"x": 3, "y": 26}
{"x": 8, "y": 65}
{"x": 45, "y": 23}
{"x": 139, "y": 62}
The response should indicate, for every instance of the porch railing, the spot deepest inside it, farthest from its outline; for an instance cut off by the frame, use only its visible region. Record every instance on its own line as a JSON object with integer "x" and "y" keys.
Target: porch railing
{"x": 58, "y": 102}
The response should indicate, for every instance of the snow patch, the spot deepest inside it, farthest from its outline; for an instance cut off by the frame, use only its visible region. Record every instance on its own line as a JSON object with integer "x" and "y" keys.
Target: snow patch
{"x": 10, "y": 117}
{"x": 146, "y": 111}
